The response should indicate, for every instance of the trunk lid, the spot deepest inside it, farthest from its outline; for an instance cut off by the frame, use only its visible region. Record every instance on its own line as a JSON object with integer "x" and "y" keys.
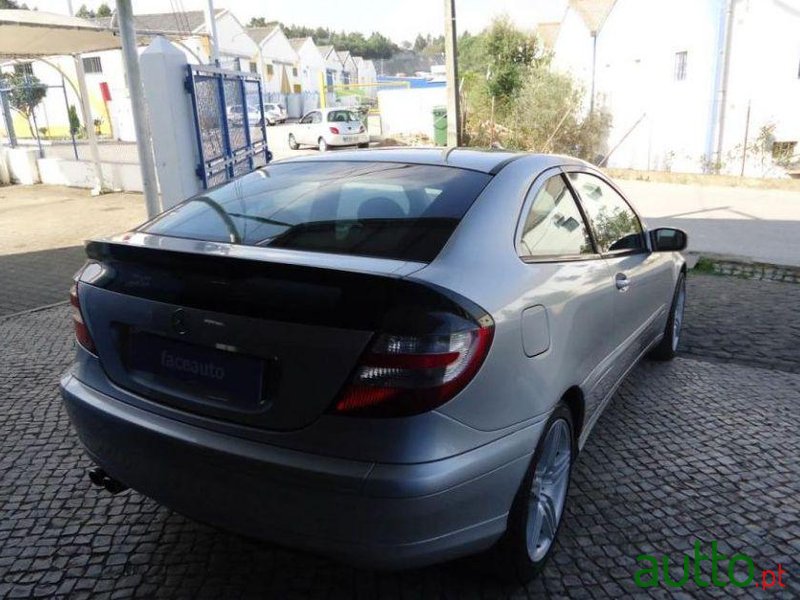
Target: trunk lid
{"x": 261, "y": 343}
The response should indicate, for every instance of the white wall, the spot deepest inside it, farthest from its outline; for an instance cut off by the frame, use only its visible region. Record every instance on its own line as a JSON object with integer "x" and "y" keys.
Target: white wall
{"x": 80, "y": 173}
{"x": 278, "y": 52}
{"x": 764, "y": 75}
{"x": 572, "y": 52}
{"x": 636, "y": 76}
{"x": 233, "y": 40}
{"x": 312, "y": 66}
{"x": 409, "y": 111}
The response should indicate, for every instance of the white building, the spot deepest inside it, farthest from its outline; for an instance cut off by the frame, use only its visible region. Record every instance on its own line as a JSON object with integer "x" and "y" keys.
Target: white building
{"x": 349, "y": 69}
{"x": 104, "y": 70}
{"x": 366, "y": 75}
{"x": 680, "y": 77}
{"x": 333, "y": 66}
{"x": 281, "y": 62}
{"x": 312, "y": 64}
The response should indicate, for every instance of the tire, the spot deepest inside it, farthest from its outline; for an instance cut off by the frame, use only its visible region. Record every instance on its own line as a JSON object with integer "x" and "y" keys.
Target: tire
{"x": 667, "y": 348}
{"x": 366, "y": 145}
{"x": 520, "y": 556}
{"x": 323, "y": 145}
{"x": 293, "y": 142}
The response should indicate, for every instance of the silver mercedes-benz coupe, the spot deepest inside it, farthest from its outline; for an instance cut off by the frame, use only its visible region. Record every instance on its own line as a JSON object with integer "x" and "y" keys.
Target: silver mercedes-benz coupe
{"x": 391, "y": 357}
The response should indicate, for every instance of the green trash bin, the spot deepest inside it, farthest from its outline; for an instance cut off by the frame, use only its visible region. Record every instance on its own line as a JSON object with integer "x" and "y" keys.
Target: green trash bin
{"x": 440, "y": 125}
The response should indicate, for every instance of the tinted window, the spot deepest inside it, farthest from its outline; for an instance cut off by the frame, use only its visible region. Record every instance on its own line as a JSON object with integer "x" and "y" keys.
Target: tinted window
{"x": 554, "y": 226}
{"x": 341, "y": 116}
{"x": 390, "y": 210}
{"x": 616, "y": 227}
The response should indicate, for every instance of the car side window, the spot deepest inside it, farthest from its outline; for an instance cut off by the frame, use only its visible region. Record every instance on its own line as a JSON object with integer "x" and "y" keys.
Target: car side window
{"x": 307, "y": 119}
{"x": 316, "y": 117}
{"x": 616, "y": 227}
{"x": 554, "y": 227}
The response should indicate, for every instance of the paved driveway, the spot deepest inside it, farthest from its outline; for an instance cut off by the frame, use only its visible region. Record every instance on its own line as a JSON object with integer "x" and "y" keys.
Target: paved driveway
{"x": 757, "y": 224}
{"x": 693, "y": 450}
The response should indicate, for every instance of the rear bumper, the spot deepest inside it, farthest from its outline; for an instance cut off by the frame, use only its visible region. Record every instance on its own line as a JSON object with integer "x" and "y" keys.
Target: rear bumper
{"x": 347, "y": 140}
{"x": 373, "y": 515}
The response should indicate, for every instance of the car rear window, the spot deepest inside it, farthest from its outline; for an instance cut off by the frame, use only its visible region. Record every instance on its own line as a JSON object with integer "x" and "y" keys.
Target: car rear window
{"x": 342, "y": 116}
{"x": 388, "y": 210}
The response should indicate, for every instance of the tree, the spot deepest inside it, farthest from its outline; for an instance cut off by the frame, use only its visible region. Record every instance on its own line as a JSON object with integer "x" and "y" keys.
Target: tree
{"x": 85, "y": 13}
{"x": 25, "y": 94}
{"x": 74, "y": 121}
{"x": 5, "y": 4}
{"x": 510, "y": 52}
{"x": 103, "y": 10}
{"x": 257, "y": 22}
{"x": 512, "y": 97}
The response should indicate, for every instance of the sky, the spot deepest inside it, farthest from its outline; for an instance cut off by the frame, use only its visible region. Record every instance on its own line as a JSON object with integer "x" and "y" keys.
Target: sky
{"x": 399, "y": 19}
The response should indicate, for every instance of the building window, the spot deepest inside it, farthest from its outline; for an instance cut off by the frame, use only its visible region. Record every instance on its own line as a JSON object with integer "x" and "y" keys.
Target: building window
{"x": 297, "y": 88}
{"x": 25, "y": 68}
{"x": 294, "y": 71}
{"x": 92, "y": 64}
{"x": 270, "y": 70}
{"x": 681, "y": 59}
{"x": 253, "y": 67}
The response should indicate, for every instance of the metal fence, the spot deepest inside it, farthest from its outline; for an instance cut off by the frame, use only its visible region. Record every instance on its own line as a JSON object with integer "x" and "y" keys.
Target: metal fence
{"x": 228, "y": 109}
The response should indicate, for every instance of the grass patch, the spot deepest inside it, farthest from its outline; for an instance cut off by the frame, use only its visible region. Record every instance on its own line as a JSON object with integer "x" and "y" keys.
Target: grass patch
{"x": 704, "y": 266}
{"x": 701, "y": 179}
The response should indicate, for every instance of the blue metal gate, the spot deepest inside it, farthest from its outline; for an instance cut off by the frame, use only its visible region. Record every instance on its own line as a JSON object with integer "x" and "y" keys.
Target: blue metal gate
{"x": 228, "y": 111}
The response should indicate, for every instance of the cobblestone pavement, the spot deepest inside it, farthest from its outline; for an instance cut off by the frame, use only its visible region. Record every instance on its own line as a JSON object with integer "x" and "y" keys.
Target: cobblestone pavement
{"x": 688, "y": 450}
{"x": 743, "y": 321}
{"x": 34, "y": 279}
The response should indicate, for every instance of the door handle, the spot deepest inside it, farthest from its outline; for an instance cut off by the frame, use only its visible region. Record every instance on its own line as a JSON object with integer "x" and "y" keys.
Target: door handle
{"x": 622, "y": 282}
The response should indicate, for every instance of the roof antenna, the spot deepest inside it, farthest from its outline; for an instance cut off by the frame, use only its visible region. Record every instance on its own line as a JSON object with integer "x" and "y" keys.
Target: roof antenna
{"x": 446, "y": 153}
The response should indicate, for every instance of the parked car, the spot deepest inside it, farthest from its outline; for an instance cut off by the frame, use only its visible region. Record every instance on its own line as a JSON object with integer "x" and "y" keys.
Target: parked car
{"x": 236, "y": 114}
{"x": 326, "y": 127}
{"x": 275, "y": 113}
{"x": 390, "y": 357}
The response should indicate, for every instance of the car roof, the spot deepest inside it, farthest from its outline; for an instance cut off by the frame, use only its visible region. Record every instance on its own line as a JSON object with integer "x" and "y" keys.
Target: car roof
{"x": 485, "y": 161}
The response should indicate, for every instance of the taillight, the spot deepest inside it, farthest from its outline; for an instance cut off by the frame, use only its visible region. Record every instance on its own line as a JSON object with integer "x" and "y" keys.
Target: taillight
{"x": 403, "y": 375}
{"x": 81, "y": 330}
{"x": 334, "y": 130}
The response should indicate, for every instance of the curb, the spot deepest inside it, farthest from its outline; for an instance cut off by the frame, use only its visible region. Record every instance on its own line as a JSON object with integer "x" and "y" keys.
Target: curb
{"x": 33, "y": 310}
{"x": 747, "y": 269}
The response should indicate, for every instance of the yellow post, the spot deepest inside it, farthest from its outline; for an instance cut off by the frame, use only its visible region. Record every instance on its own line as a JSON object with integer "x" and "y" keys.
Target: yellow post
{"x": 323, "y": 94}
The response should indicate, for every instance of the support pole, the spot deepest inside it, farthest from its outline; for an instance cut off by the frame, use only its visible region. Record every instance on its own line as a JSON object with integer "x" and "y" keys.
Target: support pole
{"x": 451, "y": 65}
{"x": 746, "y": 138}
{"x": 211, "y": 28}
{"x": 12, "y": 136}
{"x": 726, "y": 71}
{"x": 88, "y": 121}
{"x": 134, "y": 80}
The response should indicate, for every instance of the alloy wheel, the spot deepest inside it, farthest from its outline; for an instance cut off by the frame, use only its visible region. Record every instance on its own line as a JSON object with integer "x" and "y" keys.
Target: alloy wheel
{"x": 548, "y": 491}
{"x": 677, "y": 318}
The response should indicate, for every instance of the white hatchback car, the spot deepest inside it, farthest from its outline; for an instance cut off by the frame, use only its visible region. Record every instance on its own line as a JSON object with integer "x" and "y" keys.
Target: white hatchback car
{"x": 326, "y": 127}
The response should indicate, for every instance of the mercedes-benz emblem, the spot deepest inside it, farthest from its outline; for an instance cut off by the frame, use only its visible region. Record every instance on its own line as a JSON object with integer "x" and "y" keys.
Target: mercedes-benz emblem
{"x": 179, "y": 325}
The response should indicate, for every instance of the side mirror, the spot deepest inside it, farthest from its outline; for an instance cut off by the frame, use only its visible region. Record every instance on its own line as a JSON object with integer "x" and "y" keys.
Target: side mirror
{"x": 667, "y": 239}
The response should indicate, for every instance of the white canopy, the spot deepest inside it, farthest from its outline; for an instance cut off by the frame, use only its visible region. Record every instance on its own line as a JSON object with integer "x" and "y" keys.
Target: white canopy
{"x": 29, "y": 33}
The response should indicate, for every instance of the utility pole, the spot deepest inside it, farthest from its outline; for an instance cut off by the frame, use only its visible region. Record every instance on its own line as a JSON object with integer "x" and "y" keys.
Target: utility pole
{"x": 730, "y": 21}
{"x": 211, "y": 29}
{"x": 133, "y": 76}
{"x": 451, "y": 66}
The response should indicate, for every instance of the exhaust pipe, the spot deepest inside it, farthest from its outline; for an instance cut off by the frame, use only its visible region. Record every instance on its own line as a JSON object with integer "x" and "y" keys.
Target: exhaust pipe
{"x": 100, "y": 478}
